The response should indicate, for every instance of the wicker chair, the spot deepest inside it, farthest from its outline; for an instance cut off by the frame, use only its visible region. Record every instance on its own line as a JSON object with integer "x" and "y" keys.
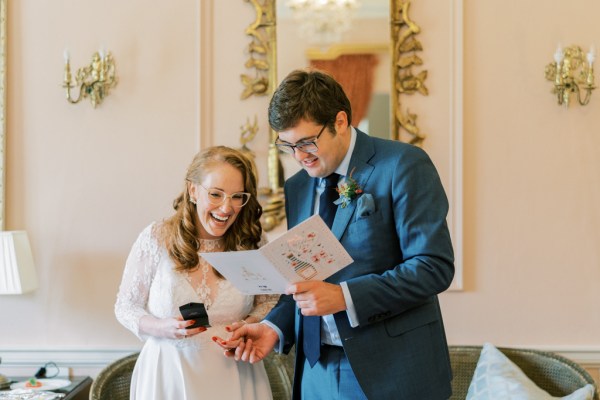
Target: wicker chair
{"x": 555, "y": 374}
{"x": 112, "y": 383}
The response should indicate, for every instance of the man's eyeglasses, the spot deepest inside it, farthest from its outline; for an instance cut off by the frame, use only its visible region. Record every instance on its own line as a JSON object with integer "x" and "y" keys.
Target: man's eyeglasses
{"x": 218, "y": 197}
{"x": 309, "y": 146}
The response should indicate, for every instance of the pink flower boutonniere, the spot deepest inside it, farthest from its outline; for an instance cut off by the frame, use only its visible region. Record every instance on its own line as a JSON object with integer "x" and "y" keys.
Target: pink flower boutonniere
{"x": 348, "y": 191}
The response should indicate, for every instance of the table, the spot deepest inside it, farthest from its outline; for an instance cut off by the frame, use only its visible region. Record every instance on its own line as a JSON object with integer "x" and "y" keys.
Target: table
{"x": 79, "y": 389}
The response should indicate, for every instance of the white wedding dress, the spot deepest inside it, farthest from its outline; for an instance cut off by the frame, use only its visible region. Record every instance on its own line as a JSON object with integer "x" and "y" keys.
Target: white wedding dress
{"x": 193, "y": 367}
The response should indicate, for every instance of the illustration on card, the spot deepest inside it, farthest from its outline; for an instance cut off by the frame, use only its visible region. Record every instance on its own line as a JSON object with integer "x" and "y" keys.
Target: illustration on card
{"x": 305, "y": 254}
{"x": 249, "y": 275}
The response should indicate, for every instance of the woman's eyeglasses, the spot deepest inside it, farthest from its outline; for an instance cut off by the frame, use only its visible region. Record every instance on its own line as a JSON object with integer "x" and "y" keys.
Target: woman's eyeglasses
{"x": 218, "y": 197}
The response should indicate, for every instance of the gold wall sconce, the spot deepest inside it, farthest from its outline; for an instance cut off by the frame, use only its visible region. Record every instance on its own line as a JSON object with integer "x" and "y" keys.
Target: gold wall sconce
{"x": 572, "y": 72}
{"x": 94, "y": 81}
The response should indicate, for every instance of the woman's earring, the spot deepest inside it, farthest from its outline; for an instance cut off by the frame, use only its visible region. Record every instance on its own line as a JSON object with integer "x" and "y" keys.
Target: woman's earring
{"x": 192, "y": 200}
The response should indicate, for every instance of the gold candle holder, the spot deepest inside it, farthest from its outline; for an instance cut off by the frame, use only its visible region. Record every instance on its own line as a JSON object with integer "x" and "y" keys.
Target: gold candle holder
{"x": 94, "y": 81}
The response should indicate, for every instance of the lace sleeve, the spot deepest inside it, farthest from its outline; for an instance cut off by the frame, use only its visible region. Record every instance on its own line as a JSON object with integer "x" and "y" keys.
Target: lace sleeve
{"x": 137, "y": 277}
{"x": 263, "y": 302}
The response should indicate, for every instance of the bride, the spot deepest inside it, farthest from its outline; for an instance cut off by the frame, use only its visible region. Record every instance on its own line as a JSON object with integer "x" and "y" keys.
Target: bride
{"x": 217, "y": 211}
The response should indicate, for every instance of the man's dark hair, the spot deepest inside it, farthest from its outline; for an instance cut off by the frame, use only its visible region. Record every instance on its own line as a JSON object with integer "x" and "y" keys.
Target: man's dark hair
{"x": 311, "y": 95}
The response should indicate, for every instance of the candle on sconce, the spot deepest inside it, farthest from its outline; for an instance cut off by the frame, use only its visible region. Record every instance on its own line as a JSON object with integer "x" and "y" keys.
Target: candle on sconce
{"x": 67, "y": 57}
{"x": 591, "y": 55}
{"x": 559, "y": 54}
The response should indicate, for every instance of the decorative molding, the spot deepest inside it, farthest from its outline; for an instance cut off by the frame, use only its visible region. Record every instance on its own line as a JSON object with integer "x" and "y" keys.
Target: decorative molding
{"x": 19, "y": 361}
{"x": 2, "y": 111}
{"x": 90, "y": 361}
{"x": 455, "y": 216}
{"x": 206, "y": 91}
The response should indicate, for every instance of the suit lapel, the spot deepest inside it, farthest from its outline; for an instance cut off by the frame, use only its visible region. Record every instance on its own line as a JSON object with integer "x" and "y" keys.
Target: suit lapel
{"x": 361, "y": 172}
{"x": 303, "y": 192}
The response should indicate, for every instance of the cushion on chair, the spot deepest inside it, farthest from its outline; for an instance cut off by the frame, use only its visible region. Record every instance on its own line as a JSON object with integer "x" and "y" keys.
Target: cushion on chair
{"x": 496, "y": 377}
{"x": 554, "y": 374}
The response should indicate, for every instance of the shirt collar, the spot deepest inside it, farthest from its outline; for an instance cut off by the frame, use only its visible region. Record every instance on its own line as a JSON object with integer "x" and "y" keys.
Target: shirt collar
{"x": 342, "y": 169}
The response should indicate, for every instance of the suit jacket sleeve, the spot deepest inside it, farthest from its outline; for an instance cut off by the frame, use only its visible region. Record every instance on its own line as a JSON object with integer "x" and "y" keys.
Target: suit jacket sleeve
{"x": 403, "y": 252}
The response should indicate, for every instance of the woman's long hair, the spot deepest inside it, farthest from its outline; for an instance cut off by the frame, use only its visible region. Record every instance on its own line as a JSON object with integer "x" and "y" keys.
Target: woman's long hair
{"x": 180, "y": 232}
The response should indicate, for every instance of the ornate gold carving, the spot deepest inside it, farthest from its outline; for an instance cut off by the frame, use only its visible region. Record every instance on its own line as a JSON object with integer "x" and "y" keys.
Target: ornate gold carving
{"x": 261, "y": 50}
{"x": 94, "y": 80}
{"x": 249, "y": 131}
{"x": 404, "y": 57}
{"x": 263, "y": 58}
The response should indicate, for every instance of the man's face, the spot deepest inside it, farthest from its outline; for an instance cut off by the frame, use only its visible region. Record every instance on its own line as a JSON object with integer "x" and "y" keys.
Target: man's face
{"x": 331, "y": 147}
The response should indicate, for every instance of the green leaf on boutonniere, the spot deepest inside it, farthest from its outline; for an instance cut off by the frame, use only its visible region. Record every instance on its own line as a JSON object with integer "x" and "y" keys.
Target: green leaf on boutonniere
{"x": 348, "y": 191}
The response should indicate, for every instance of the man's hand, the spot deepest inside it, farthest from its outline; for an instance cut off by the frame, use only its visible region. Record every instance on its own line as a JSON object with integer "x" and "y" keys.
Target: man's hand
{"x": 317, "y": 298}
{"x": 248, "y": 342}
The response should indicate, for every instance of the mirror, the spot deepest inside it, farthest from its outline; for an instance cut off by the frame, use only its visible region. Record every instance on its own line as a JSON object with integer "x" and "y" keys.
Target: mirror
{"x": 407, "y": 76}
{"x": 404, "y": 56}
{"x": 363, "y": 48}
{"x": 263, "y": 64}
{"x": 2, "y": 106}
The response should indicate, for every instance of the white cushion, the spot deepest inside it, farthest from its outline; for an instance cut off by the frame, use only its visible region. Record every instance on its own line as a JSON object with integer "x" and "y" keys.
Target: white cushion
{"x": 496, "y": 377}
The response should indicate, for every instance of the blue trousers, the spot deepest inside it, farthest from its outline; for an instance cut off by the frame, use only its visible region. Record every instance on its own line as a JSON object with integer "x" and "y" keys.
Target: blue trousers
{"x": 331, "y": 378}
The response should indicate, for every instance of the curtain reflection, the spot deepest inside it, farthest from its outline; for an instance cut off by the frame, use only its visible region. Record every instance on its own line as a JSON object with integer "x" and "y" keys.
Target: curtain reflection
{"x": 356, "y": 74}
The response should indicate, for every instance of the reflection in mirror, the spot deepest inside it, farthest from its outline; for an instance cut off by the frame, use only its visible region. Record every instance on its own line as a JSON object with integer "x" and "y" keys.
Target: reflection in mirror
{"x": 375, "y": 21}
{"x": 2, "y": 106}
{"x": 366, "y": 42}
{"x": 369, "y": 95}
{"x": 369, "y": 33}
{"x": 407, "y": 77}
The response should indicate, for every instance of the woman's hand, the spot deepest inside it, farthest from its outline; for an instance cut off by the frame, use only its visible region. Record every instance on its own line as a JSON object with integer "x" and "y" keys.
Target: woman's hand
{"x": 230, "y": 345}
{"x": 248, "y": 342}
{"x": 170, "y": 328}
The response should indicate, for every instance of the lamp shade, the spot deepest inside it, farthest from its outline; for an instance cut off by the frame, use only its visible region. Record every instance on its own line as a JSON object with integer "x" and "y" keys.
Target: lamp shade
{"x": 17, "y": 271}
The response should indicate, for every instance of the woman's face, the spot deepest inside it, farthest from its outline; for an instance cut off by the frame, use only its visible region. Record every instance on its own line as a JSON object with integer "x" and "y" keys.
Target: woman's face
{"x": 215, "y": 219}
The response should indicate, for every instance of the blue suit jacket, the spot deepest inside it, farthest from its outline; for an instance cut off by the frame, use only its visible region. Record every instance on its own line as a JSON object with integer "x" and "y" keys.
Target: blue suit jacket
{"x": 403, "y": 258}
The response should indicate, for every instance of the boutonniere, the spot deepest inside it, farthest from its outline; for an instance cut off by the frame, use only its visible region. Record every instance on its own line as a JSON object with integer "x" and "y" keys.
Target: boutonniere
{"x": 348, "y": 191}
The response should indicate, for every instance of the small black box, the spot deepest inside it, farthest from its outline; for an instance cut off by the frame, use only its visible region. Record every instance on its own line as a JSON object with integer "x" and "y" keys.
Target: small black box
{"x": 197, "y": 312}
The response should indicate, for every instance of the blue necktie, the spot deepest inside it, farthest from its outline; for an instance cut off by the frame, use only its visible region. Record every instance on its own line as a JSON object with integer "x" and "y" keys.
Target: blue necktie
{"x": 311, "y": 341}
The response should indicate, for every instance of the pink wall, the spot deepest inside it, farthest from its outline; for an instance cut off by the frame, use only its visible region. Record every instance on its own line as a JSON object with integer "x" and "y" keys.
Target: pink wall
{"x": 531, "y": 180}
{"x": 84, "y": 182}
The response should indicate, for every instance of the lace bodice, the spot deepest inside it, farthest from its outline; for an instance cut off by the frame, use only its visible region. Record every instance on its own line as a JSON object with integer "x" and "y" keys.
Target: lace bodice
{"x": 151, "y": 286}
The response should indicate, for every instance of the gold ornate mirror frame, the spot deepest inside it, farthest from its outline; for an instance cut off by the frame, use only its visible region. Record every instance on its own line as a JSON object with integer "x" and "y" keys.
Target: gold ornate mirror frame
{"x": 405, "y": 58}
{"x": 262, "y": 59}
{"x": 2, "y": 107}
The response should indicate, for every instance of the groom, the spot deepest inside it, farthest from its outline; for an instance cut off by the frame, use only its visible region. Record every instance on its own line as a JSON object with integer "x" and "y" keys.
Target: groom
{"x": 374, "y": 329}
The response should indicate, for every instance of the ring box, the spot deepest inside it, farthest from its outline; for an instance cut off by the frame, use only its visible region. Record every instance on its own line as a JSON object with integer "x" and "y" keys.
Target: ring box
{"x": 197, "y": 312}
